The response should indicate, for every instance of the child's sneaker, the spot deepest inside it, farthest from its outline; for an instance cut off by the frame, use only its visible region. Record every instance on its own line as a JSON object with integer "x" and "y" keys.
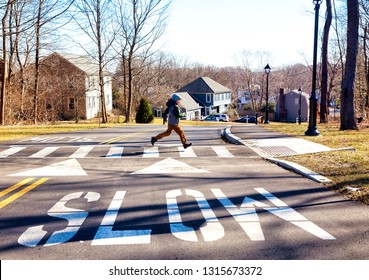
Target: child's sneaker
{"x": 153, "y": 140}
{"x": 186, "y": 145}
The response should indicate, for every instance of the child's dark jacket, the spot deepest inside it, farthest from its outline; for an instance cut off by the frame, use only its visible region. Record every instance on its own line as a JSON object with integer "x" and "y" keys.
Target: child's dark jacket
{"x": 173, "y": 112}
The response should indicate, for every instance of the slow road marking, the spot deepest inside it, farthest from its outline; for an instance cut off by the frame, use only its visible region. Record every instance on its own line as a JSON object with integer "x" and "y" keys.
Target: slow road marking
{"x": 108, "y": 234}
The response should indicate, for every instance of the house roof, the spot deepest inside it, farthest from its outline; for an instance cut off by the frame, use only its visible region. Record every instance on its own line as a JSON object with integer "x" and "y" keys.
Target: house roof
{"x": 296, "y": 92}
{"x": 188, "y": 102}
{"x": 204, "y": 85}
{"x": 83, "y": 62}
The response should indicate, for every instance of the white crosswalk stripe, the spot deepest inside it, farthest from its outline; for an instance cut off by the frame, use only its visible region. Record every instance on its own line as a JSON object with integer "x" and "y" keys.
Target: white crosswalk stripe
{"x": 91, "y": 151}
{"x": 82, "y": 152}
{"x": 115, "y": 152}
{"x": 222, "y": 151}
{"x": 151, "y": 152}
{"x": 11, "y": 151}
{"x": 44, "y": 152}
{"x": 187, "y": 153}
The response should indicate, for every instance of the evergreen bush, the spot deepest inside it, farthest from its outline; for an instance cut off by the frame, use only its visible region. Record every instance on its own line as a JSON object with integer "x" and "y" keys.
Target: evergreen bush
{"x": 144, "y": 112}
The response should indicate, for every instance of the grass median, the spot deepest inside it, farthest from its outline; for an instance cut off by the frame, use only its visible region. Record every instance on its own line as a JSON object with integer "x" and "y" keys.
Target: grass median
{"x": 348, "y": 170}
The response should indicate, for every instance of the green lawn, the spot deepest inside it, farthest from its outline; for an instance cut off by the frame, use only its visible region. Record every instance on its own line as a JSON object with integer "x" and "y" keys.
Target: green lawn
{"x": 349, "y": 170}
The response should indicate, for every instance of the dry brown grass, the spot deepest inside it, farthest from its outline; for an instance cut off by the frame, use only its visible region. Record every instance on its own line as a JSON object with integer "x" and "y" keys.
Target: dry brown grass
{"x": 348, "y": 170}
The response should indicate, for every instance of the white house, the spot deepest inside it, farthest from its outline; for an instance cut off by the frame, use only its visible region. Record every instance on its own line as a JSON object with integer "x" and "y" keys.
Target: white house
{"x": 92, "y": 90}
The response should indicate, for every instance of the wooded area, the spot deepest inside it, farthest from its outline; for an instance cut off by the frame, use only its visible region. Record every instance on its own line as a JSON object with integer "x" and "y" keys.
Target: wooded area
{"x": 124, "y": 34}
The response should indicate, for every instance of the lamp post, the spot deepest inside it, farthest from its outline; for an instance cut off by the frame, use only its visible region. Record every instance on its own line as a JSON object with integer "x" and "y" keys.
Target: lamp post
{"x": 300, "y": 92}
{"x": 267, "y": 71}
{"x": 312, "y": 129}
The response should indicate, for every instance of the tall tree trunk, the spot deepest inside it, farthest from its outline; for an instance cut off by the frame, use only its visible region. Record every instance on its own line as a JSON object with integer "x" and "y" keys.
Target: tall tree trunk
{"x": 3, "y": 74}
{"x": 4, "y": 77}
{"x": 324, "y": 82}
{"x": 21, "y": 72}
{"x": 18, "y": 16}
{"x": 338, "y": 40}
{"x": 37, "y": 63}
{"x": 125, "y": 86}
{"x": 130, "y": 89}
{"x": 348, "y": 121}
{"x": 9, "y": 104}
{"x": 101, "y": 71}
{"x": 366, "y": 66}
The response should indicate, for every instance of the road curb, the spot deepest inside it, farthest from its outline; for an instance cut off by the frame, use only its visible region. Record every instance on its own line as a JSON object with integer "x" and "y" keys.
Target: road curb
{"x": 227, "y": 134}
{"x": 300, "y": 170}
{"x": 231, "y": 138}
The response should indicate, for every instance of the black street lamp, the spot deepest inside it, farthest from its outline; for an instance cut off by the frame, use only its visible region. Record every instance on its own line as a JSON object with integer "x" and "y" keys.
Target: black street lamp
{"x": 267, "y": 71}
{"x": 300, "y": 92}
{"x": 313, "y": 110}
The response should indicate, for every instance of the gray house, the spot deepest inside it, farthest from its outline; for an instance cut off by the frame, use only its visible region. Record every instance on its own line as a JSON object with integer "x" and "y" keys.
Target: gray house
{"x": 288, "y": 106}
{"x": 212, "y": 96}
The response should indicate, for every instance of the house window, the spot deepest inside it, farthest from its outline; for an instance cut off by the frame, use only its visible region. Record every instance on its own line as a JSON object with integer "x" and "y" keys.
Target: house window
{"x": 207, "y": 111}
{"x": 71, "y": 103}
{"x": 208, "y": 98}
{"x": 71, "y": 82}
{"x": 89, "y": 102}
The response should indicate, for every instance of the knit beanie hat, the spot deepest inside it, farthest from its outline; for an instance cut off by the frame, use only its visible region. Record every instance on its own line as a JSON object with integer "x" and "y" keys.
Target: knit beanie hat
{"x": 176, "y": 97}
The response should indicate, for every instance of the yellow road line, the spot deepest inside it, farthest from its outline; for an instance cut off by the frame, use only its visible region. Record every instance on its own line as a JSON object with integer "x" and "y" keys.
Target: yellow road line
{"x": 22, "y": 192}
{"x": 16, "y": 186}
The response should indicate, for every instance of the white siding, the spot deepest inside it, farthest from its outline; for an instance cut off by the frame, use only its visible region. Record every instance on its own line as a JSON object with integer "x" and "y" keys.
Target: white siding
{"x": 93, "y": 96}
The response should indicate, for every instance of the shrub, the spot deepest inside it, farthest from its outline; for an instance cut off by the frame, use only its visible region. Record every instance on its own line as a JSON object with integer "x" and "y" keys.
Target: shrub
{"x": 144, "y": 112}
{"x": 271, "y": 107}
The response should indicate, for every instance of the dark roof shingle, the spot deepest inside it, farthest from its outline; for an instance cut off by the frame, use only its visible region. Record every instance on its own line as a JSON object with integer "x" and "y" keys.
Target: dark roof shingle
{"x": 204, "y": 85}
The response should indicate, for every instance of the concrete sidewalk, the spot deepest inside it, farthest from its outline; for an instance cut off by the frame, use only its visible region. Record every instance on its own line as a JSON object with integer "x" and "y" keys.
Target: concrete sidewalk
{"x": 270, "y": 145}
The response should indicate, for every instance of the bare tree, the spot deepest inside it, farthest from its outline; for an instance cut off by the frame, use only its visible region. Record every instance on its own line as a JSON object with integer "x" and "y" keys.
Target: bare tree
{"x": 4, "y": 77}
{"x": 47, "y": 11}
{"x": 324, "y": 82}
{"x": 348, "y": 121}
{"x": 339, "y": 43}
{"x": 364, "y": 6}
{"x": 141, "y": 24}
{"x": 96, "y": 22}
{"x": 248, "y": 83}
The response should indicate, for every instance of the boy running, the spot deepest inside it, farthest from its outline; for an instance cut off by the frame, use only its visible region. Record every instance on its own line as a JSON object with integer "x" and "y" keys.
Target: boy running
{"x": 174, "y": 115}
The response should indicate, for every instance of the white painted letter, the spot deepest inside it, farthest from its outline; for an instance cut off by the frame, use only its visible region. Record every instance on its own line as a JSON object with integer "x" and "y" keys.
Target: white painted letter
{"x": 246, "y": 215}
{"x": 212, "y": 231}
{"x": 286, "y": 213}
{"x": 107, "y": 236}
{"x": 75, "y": 217}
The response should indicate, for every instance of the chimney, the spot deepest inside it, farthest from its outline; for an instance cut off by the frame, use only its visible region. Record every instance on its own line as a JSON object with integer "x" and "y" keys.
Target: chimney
{"x": 282, "y": 108}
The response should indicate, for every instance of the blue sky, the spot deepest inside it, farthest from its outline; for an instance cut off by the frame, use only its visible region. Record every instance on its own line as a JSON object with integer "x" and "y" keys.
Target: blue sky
{"x": 213, "y": 32}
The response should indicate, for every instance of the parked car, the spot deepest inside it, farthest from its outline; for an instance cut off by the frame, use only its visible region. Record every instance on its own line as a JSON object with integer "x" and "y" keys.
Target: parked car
{"x": 211, "y": 118}
{"x": 246, "y": 119}
{"x": 221, "y": 117}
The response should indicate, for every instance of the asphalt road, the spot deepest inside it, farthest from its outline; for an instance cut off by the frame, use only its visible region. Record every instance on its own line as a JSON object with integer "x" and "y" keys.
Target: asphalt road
{"x": 108, "y": 194}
